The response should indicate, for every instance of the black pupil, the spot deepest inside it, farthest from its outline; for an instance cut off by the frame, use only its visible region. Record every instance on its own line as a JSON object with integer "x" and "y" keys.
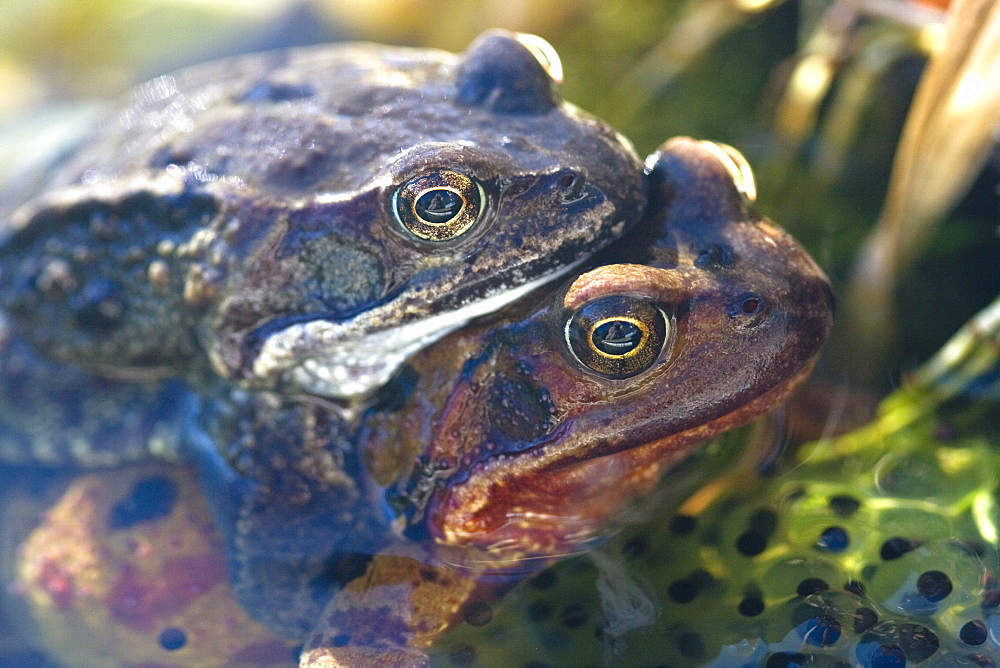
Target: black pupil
{"x": 439, "y": 205}
{"x": 617, "y": 337}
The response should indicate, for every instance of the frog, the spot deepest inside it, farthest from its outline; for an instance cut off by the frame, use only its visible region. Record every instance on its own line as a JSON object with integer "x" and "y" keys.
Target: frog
{"x": 368, "y": 535}
{"x": 519, "y": 440}
{"x": 304, "y": 220}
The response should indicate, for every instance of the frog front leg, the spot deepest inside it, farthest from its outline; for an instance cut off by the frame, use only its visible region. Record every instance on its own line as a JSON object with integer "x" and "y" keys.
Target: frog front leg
{"x": 280, "y": 478}
{"x": 408, "y": 596}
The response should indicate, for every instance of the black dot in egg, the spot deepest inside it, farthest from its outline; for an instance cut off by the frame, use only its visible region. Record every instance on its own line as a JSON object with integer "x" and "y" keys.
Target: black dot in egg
{"x": 864, "y": 619}
{"x": 981, "y": 660}
{"x": 811, "y": 586}
{"x": 691, "y": 645}
{"x": 973, "y": 632}
{"x": 821, "y": 631}
{"x": 477, "y": 613}
{"x": 991, "y": 600}
{"x": 896, "y": 547}
{"x": 751, "y": 543}
{"x": 919, "y": 642}
{"x": 751, "y": 606}
{"x": 682, "y": 591}
{"x": 843, "y": 505}
{"x": 833, "y": 539}
{"x": 888, "y": 656}
{"x": 682, "y": 525}
{"x": 341, "y": 640}
{"x": 855, "y": 587}
{"x": 172, "y": 639}
{"x": 463, "y": 655}
{"x": 544, "y": 580}
{"x": 573, "y": 616}
{"x": 539, "y": 611}
{"x": 934, "y": 586}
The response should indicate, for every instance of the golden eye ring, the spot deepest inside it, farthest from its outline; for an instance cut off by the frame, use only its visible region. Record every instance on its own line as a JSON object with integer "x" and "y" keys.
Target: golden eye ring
{"x": 439, "y": 206}
{"x": 617, "y": 337}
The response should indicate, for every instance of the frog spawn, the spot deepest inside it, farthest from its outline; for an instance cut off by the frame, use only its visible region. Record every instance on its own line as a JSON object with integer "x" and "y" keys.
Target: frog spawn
{"x": 829, "y": 565}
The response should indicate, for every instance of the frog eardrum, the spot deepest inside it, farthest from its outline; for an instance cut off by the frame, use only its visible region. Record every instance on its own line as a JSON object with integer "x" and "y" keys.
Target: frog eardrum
{"x": 440, "y": 206}
{"x": 617, "y": 337}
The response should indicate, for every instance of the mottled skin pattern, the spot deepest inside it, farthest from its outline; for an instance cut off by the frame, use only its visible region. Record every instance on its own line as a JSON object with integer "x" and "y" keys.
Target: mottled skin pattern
{"x": 287, "y": 491}
{"x": 242, "y": 215}
{"x": 55, "y": 415}
{"x": 523, "y": 453}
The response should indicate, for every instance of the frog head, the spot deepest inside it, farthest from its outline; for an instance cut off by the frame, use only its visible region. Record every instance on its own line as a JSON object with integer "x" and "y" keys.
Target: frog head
{"x": 574, "y": 405}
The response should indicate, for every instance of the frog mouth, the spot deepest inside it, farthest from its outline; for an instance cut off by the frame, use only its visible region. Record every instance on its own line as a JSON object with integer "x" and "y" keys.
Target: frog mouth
{"x": 341, "y": 361}
{"x": 550, "y": 506}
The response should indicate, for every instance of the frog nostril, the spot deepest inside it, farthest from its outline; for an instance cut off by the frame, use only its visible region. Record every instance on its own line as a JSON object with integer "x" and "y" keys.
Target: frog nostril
{"x": 570, "y": 187}
{"x": 747, "y": 311}
{"x": 715, "y": 256}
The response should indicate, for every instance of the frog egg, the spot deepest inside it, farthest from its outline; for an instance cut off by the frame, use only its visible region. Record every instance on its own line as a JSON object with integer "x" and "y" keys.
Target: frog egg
{"x": 940, "y": 579}
{"x": 830, "y": 521}
{"x": 939, "y": 475}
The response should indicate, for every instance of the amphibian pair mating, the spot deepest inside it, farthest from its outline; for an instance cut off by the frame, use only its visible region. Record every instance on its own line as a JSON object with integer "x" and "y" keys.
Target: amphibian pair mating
{"x": 251, "y": 239}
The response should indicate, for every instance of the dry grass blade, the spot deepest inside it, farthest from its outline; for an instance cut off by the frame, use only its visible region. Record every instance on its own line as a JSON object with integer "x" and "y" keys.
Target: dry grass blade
{"x": 948, "y": 135}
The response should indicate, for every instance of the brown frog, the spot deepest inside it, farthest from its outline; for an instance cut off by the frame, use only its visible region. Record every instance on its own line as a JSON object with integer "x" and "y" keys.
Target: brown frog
{"x": 305, "y": 220}
{"x": 503, "y": 445}
{"x": 513, "y": 442}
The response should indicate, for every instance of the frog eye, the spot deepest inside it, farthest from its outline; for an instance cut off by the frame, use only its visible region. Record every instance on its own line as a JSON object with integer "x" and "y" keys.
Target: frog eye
{"x": 439, "y": 206}
{"x": 617, "y": 337}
